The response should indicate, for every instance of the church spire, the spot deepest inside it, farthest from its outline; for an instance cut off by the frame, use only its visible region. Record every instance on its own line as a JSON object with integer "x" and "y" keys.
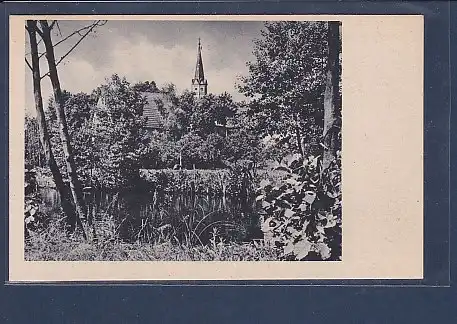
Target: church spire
{"x": 199, "y": 84}
{"x": 199, "y": 74}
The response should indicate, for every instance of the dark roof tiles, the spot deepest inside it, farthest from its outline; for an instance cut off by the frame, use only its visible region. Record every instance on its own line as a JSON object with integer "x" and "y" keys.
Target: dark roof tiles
{"x": 151, "y": 109}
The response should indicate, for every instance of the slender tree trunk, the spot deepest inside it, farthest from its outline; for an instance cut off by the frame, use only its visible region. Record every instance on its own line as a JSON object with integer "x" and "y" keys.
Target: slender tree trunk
{"x": 67, "y": 206}
{"x": 63, "y": 129}
{"x": 332, "y": 107}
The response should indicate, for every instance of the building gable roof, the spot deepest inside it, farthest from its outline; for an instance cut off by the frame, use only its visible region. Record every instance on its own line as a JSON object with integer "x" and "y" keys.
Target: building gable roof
{"x": 155, "y": 101}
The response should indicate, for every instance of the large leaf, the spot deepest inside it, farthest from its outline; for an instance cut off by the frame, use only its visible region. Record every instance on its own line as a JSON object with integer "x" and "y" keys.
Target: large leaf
{"x": 33, "y": 211}
{"x": 29, "y": 219}
{"x": 324, "y": 250}
{"x": 265, "y": 204}
{"x": 310, "y": 196}
{"x": 289, "y": 213}
{"x": 302, "y": 249}
{"x": 259, "y": 197}
{"x": 289, "y": 248}
{"x": 331, "y": 223}
{"x": 268, "y": 225}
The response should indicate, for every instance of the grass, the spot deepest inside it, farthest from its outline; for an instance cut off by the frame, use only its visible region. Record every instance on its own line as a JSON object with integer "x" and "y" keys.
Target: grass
{"x": 53, "y": 244}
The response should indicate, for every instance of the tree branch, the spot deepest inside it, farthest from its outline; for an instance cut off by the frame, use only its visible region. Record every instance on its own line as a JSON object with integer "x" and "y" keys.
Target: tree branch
{"x": 28, "y": 64}
{"x": 79, "y": 41}
{"x": 44, "y": 75}
{"x": 95, "y": 24}
{"x": 89, "y": 29}
{"x": 40, "y": 32}
{"x": 58, "y": 27}
{"x": 74, "y": 33}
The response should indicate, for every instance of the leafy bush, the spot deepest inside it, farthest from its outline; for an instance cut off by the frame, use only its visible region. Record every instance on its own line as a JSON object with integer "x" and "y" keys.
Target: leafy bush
{"x": 118, "y": 133}
{"x": 78, "y": 109}
{"x": 34, "y": 219}
{"x": 302, "y": 214}
{"x": 30, "y": 180}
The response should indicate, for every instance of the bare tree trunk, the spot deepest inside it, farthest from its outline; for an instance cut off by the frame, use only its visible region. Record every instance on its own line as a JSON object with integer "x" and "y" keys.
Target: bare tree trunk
{"x": 63, "y": 129}
{"x": 67, "y": 206}
{"x": 332, "y": 107}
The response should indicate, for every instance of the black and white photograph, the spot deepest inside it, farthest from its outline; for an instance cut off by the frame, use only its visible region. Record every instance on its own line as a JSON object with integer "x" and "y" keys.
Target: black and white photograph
{"x": 169, "y": 140}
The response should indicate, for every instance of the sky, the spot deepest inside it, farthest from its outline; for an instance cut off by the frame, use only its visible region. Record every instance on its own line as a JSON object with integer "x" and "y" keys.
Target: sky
{"x": 160, "y": 51}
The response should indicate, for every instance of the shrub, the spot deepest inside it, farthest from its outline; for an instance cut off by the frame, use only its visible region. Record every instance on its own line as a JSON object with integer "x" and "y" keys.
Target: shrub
{"x": 30, "y": 181}
{"x": 34, "y": 219}
{"x": 302, "y": 214}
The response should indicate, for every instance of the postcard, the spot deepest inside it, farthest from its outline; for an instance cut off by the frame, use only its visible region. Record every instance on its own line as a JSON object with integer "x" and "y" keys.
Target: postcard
{"x": 216, "y": 147}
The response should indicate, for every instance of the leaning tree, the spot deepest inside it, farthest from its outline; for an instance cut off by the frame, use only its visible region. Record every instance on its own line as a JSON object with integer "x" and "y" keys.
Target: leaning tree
{"x": 72, "y": 202}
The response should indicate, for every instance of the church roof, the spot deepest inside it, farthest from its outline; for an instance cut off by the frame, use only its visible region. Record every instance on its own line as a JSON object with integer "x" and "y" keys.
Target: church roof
{"x": 151, "y": 110}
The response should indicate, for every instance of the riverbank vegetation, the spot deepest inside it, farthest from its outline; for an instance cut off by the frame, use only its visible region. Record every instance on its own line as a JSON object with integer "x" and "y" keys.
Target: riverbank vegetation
{"x": 220, "y": 180}
{"x": 53, "y": 244}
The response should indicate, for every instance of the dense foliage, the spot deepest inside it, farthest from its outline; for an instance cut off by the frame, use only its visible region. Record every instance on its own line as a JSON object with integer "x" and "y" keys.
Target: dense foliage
{"x": 34, "y": 218}
{"x": 33, "y": 153}
{"x": 110, "y": 143}
{"x": 202, "y": 134}
{"x": 106, "y": 131}
{"x": 292, "y": 99}
{"x": 78, "y": 111}
{"x": 286, "y": 82}
{"x": 303, "y": 212}
{"x": 118, "y": 133}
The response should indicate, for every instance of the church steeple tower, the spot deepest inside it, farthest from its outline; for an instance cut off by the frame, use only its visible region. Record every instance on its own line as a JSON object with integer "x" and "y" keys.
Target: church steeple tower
{"x": 199, "y": 83}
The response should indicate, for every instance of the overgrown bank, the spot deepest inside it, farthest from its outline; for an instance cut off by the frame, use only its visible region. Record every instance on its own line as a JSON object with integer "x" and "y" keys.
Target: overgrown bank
{"x": 52, "y": 244}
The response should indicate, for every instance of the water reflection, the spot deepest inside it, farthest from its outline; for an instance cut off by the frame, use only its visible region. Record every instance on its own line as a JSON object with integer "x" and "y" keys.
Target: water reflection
{"x": 155, "y": 217}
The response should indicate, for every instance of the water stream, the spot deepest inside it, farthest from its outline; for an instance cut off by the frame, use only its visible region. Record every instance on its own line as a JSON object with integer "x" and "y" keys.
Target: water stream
{"x": 151, "y": 217}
